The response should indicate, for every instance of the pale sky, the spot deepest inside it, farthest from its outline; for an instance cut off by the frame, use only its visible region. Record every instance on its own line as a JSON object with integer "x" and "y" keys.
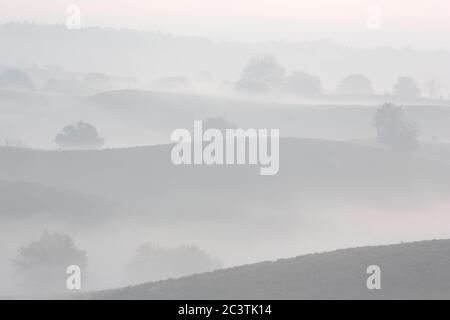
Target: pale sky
{"x": 418, "y": 23}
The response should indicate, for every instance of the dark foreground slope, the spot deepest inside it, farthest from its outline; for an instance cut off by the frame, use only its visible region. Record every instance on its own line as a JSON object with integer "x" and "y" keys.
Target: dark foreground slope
{"x": 408, "y": 271}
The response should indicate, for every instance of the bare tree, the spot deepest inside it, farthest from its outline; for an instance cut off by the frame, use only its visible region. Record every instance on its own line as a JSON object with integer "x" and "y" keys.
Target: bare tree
{"x": 433, "y": 88}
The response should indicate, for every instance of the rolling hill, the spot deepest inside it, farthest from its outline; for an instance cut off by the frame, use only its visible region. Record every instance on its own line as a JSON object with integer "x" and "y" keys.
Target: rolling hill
{"x": 309, "y": 170}
{"x": 137, "y": 117}
{"x": 20, "y": 200}
{"x": 418, "y": 270}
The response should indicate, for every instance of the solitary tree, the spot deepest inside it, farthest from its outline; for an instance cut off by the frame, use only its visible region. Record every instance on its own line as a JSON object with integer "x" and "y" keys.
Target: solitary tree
{"x": 42, "y": 265}
{"x": 355, "y": 84}
{"x": 261, "y": 74}
{"x": 302, "y": 83}
{"x": 392, "y": 129}
{"x": 406, "y": 87}
{"x": 81, "y": 135}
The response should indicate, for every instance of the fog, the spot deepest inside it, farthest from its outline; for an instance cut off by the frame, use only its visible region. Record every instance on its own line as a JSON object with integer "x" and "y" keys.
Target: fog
{"x": 359, "y": 93}
{"x": 418, "y": 24}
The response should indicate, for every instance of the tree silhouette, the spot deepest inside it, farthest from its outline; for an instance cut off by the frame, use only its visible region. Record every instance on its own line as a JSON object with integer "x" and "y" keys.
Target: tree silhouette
{"x": 302, "y": 83}
{"x": 261, "y": 74}
{"x": 393, "y": 131}
{"x": 355, "y": 84}
{"x": 41, "y": 266}
{"x": 406, "y": 87}
{"x": 81, "y": 135}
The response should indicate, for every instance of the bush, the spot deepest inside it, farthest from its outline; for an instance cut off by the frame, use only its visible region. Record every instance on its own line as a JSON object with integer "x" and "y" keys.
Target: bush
{"x": 356, "y": 84}
{"x": 406, "y": 87}
{"x": 81, "y": 135}
{"x": 393, "y": 131}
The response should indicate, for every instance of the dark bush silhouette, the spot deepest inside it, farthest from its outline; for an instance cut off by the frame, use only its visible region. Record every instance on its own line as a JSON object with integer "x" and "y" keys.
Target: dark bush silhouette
{"x": 152, "y": 262}
{"x": 393, "y": 131}
{"x": 81, "y": 135}
{"x": 356, "y": 84}
{"x": 302, "y": 83}
{"x": 42, "y": 265}
{"x": 261, "y": 74}
{"x": 406, "y": 87}
{"x": 16, "y": 80}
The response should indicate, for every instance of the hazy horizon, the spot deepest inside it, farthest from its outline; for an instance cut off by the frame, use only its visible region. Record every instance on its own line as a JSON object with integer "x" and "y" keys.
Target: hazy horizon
{"x": 423, "y": 25}
{"x": 232, "y": 132}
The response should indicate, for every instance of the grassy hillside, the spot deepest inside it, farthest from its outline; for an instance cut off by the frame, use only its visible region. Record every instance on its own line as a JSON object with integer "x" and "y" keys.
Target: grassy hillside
{"x": 331, "y": 117}
{"x": 418, "y": 270}
{"x": 309, "y": 170}
{"x": 133, "y": 117}
{"x": 20, "y": 200}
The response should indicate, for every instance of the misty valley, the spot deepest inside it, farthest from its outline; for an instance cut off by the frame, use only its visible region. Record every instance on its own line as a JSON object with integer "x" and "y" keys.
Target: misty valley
{"x": 145, "y": 165}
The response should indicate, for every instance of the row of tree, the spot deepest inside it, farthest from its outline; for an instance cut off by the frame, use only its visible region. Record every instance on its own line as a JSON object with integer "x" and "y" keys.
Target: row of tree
{"x": 41, "y": 265}
{"x": 392, "y": 128}
{"x": 264, "y": 74}
{"x": 92, "y": 82}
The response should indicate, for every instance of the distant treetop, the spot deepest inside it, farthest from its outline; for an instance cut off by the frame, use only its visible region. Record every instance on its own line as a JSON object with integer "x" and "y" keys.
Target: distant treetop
{"x": 406, "y": 87}
{"x": 261, "y": 74}
{"x": 356, "y": 84}
{"x": 302, "y": 83}
{"x": 81, "y": 135}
